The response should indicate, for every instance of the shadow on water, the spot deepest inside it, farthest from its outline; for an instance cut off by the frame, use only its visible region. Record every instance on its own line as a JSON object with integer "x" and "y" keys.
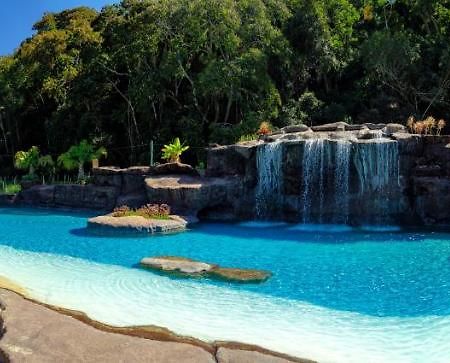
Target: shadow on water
{"x": 86, "y": 232}
{"x": 45, "y": 212}
{"x": 327, "y": 234}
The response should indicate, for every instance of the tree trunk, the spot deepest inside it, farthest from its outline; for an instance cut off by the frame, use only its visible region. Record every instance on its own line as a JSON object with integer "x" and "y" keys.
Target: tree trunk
{"x": 80, "y": 171}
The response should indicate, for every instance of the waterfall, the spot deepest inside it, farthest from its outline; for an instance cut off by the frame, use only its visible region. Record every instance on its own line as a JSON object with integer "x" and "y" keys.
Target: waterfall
{"x": 270, "y": 179}
{"x": 342, "y": 181}
{"x": 377, "y": 164}
{"x": 339, "y": 180}
{"x": 325, "y": 181}
{"x": 313, "y": 177}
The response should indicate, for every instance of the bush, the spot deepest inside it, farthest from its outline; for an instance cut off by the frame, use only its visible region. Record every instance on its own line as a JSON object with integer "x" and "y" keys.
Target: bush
{"x": 305, "y": 110}
{"x": 150, "y": 211}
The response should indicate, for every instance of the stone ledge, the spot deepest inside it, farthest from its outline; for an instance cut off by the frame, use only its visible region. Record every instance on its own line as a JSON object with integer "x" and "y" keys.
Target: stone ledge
{"x": 188, "y": 267}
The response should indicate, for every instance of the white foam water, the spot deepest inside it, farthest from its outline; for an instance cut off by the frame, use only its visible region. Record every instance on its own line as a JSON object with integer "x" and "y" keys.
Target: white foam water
{"x": 268, "y": 189}
{"x": 124, "y": 297}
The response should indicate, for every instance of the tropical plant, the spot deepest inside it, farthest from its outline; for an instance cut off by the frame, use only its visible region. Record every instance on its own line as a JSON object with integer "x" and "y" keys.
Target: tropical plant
{"x": 27, "y": 160}
{"x": 173, "y": 151}
{"x": 33, "y": 161}
{"x": 78, "y": 155}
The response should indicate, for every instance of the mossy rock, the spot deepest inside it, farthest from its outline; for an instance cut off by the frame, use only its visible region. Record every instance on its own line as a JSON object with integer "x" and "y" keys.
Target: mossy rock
{"x": 240, "y": 275}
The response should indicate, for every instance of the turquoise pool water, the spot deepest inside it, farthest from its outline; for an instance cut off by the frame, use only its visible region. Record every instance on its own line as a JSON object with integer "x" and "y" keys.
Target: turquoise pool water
{"x": 337, "y": 294}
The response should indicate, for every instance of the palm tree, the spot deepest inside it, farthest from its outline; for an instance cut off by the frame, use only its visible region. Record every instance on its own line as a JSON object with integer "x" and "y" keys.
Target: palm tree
{"x": 27, "y": 160}
{"x": 173, "y": 151}
{"x": 78, "y": 155}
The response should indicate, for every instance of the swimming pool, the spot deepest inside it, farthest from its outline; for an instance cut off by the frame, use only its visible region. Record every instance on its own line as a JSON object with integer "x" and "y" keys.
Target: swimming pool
{"x": 336, "y": 295}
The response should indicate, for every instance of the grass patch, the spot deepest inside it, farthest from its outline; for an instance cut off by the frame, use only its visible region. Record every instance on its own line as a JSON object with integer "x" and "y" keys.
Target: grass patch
{"x": 137, "y": 213}
{"x": 9, "y": 187}
{"x": 149, "y": 211}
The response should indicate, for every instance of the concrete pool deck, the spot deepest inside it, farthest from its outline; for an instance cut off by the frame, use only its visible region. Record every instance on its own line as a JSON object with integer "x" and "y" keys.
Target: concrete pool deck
{"x": 34, "y": 332}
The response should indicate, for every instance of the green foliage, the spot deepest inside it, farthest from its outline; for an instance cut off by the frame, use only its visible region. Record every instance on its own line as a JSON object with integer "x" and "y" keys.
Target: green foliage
{"x": 148, "y": 211}
{"x": 248, "y": 137}
{"x": 80, "y": 154}
{"x": 32, "y": 161}
{"x": 304, "y": 110}
{"x": 213, "y": 70}
{"x": 9, "y": 186}
{"x": 172, "y": 152}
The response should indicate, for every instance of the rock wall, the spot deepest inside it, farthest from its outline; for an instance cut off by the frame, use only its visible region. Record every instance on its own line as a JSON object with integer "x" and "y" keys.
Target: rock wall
{"x": 334, "y": 173}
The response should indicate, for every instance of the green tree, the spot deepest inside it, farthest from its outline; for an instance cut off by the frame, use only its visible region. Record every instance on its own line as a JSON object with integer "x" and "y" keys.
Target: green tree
{"x": 32, "y": 160}
{"x": 78, "y": 155}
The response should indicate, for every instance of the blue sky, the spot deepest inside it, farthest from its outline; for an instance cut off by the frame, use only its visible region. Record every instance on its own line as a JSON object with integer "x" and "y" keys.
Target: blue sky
{"x": 18, "y": 16}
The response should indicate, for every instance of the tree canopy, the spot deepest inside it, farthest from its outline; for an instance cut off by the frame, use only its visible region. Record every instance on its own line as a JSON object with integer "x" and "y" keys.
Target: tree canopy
{"x": 213, "y": 70}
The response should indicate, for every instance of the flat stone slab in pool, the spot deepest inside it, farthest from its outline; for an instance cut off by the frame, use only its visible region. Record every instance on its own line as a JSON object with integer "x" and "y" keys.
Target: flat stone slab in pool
{"x": 140, "y": 224}
{"x": 188, "y": 267}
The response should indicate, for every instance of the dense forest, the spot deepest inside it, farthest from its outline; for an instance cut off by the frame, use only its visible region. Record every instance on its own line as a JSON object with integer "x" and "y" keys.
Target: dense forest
{"x": 213, "y": 70}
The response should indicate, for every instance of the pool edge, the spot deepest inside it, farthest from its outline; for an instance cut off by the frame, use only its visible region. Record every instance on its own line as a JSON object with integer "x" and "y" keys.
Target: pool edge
{"x": 151, "y": 332}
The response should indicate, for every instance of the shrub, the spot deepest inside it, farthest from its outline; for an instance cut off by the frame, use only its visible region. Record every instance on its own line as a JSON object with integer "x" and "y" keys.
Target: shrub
{"x": 426, "y": 127}
{"x": 121, "y": 211}
{"x": 150, "y": 211}
{"x": 264, "y": 128}
{"x": 248, "y": 137}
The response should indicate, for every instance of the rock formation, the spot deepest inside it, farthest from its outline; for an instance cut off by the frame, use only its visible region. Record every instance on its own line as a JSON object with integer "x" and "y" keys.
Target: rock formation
{"x": 333, "y": 173}
{"x": 188, "y": 267}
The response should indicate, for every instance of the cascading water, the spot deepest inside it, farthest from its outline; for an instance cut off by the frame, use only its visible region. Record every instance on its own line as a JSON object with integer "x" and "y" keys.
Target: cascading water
{"x": 342, "y": 181}
{"x": 377, "y": 165}
{"x": 270, "y": 179}
{"x": 313, "y": 177}
{"x": 325, "y": 181}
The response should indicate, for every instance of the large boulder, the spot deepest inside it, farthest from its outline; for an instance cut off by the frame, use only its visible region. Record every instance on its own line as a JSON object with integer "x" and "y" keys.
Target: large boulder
{"x": 43, "y": 195}
{"x": 190, "y": 195}
{"x": 392, "y": 128}
{"x": 85, "y": 196}
{"x": 108, "y": 176}
{"x": 175, "y": 168}
{"x": 234, "y": 160}
{"x": 335, "y": 126}
{"x": 295, "y": 128}
{"x": 432, "y": 199}
{"x": 373, "y": 126}
{"x": 186, "y": 266}
{"x": 369, "y": 134}
{"x": 133, "y": 179}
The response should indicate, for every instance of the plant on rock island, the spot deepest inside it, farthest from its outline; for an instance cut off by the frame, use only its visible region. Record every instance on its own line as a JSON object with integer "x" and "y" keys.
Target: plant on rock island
{"x": 150, "y": 211}
{"x": 172, "y": 152}
{"x": 78, "y": 155}
{"x": 32, "y": 160}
